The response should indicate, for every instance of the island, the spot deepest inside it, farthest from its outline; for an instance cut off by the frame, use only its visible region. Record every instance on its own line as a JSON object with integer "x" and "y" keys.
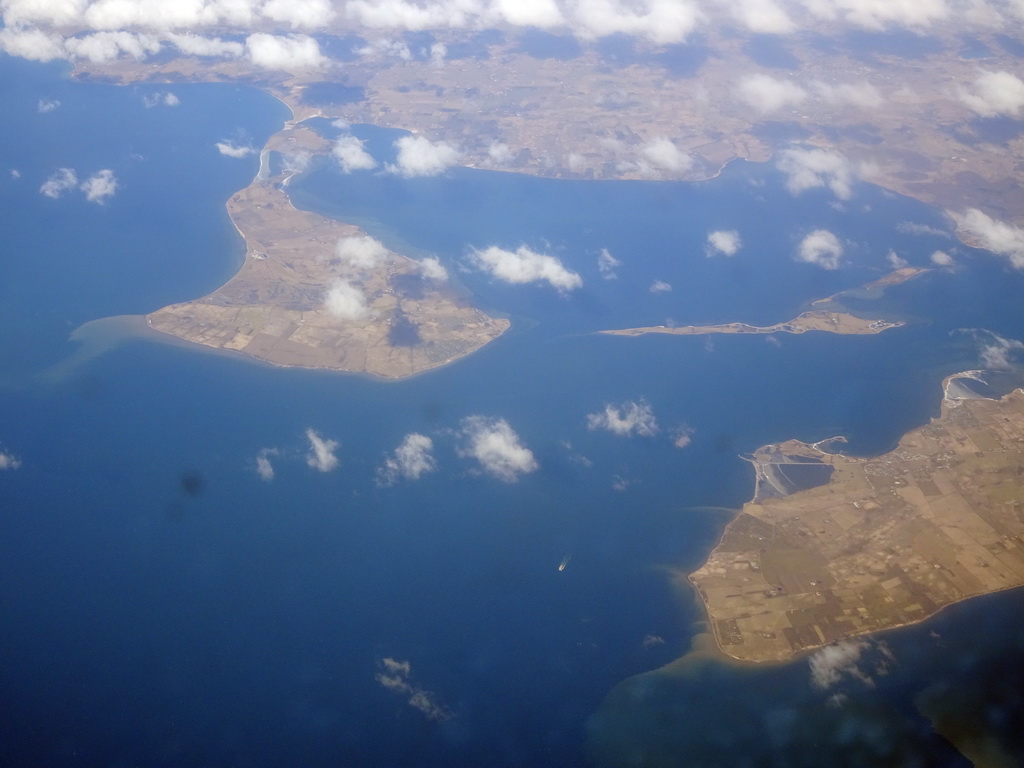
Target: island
{"x": 835, "y": 546}
{"x": 299, "y": 301}
{"x": 830, "y": 321}
{"x": 815, "y": 320}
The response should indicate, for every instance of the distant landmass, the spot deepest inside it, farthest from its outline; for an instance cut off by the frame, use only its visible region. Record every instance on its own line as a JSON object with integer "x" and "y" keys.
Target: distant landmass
{"x": 835, "y": 546}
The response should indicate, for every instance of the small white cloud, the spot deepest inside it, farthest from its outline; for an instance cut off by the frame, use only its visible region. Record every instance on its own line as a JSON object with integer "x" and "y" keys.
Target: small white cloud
{"x": 861, "y": 95}
{"x": 996, "y": 352}
{"x": 346, "y": 302}
{"x": 100, "y": 186}
{"x": 110, "y": 45}
{"x": 820, "y": 247}
{"x": 230, "y": 149}
{"x": 321, "y": 452}
{"x": 767, "y": 94}
{"x": 993, "y": 94}
{"x": 9, "y": 461}
{"x": 289, "y": 53}
{"x": 351, "y": 156}
{"x": 196, "y": 45}
{"x": 993, "y": 235}
{"x": 496, "y": 446}
{"x": 499, "y": 153}
{"x": 625, "y": 420}
{"x": 831, "y": 663}
{"x": 530, "y": 13}
{"x": 607, "y": 264}
{"x": 894, "y": 260}
{"x": 942, "y": 259}
{"x": 418, "y": 156}
{"x": 438, "y": 53}
{"x": 666, "y": 156}
{"x": 809, "y": 168}
{"x": 763, "y": 17}
{"x": 299, "y": 14}
{"x": 682, "y": 435}
{"x": 15, "y": 173}
{"x": 62, "y": 180}
{"x": 150, "y": 100}
{"x": 47, "y": 105}
{"x": 432, "y": 269}
{"x": 659, "y": 286}
{"x": 361, "y": 251}
{"x": 526, "y": 266}
{"x": 410, "y": 461}
{"x": 725, "y": 242}
{"x": 263, "y": 466}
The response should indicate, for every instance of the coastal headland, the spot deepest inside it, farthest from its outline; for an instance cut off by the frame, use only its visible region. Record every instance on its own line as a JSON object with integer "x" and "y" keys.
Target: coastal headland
{"x": 834, "y": 546}
{"x": 390, "y": 315}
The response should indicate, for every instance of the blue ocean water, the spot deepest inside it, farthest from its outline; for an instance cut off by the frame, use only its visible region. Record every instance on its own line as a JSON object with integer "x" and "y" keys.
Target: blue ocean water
{"x": 162, "y": 605}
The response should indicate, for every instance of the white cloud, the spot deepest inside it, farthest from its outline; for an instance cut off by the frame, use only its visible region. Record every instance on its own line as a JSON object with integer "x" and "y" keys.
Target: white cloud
{"x": 321, "y": 452}
{"x": 263, "y": 466}
{"x": 862, "y": 95}
{"x": 993, "y": 235}
{"x": 529, "y": 13}
{"x": 625, "y": 420}
{"x": 495, "y": 445}
{"x": 107, "y": 46}
{"x": 499, "y": 153}
{"x": 396, "y": 677}
{"x": 349, "y": 152}
{"x": 361, "y": 251}
{"x": 15, "y": 173}
{"x": 829, "y": 664}
{"x": 767, "y": 94}
{"x": 666, "y": 156}
{"x": 292, "y": 52}
{"x": 32, "y": 44}
{"x": 682, "y": 435}
{"x": 994, "y": 93}
{"x": 724, "y": 241}
{"x": 197, "y": 45}
{"x": 660, "y": 21}
{"x": 660, "y": 286}
{"x": 432, "y": 269}
{"x": 100, "y": 186}
{"x": 894, "y": 260}
{"x": 410, "y": 461}
{"x": 418, "y": 156}
{"x": 942, "y": 259}
{"x": 996, "y": 353}
{"x": 304, "y": 14}
{"x": 809, "y": 168}
{"x": 47, "y": 105}
{"x": 763, "y": 17}
{"x": 62, "y": 180}
{"x": 607, "y": 264}
{"x": 526, "y": 266}
{"x": 9, "y": 461}
{"x": 345, "y": 301}
{"x": 230, "y": 149}
{"x": 151, "y": 100}
{"x": 820, "y": 247}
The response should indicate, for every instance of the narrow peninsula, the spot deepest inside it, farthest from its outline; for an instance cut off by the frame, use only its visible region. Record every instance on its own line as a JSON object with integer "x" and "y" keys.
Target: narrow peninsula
{"x": 834, "y": 546}
{"x": 303, "y": 299}
{"x": 835, "y": 320}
